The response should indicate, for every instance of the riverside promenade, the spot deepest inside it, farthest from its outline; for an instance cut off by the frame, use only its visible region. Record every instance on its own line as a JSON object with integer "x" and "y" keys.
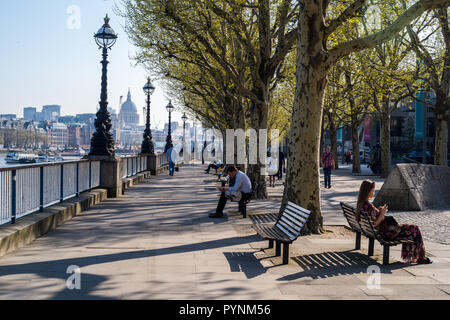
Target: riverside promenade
{"x": 157, "y": 242}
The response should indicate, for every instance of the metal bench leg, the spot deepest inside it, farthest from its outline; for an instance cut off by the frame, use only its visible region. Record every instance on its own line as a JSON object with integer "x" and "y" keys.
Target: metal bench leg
{"x": 285, "y": 253}
{"x": 278, "y": 248}
{"x": 244, "y": 210}
{"x": 385, "y": 255}
{"x": 270, "y": 244}
{"x": 358, "y": 241}
{"x": 371, "y": 246}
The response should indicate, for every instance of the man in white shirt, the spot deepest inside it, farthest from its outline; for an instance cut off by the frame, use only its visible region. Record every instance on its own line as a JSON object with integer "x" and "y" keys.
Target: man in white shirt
{"x": 242, "y": 184}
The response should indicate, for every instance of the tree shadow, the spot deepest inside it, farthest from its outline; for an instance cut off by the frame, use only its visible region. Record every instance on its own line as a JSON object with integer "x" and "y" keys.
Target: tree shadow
{"x": 57, "y": 269}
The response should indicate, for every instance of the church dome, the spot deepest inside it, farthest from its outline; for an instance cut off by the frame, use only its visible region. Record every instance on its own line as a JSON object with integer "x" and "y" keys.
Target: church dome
{"x": 129, "y": 106}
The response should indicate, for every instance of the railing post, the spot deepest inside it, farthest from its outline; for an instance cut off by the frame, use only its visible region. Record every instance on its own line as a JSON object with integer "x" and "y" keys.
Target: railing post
{"x": 132, "y": 166}
{"x": 13, "y": 204}
{"x": 78, "y": 179}
{"x": 90, "y": 176}
{"x": 62, "y": 184}
{"x": 41, "y": 192}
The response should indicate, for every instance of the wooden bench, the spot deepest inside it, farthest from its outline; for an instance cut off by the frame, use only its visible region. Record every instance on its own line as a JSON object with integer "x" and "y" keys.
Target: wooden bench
{"x": 367, "y": 228}
{"x": 286, "y": 230}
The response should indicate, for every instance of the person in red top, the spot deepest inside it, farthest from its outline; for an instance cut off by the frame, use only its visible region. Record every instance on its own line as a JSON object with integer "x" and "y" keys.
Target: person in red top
{"x": 327, "y": 161}
{"x": 389, "y": 229}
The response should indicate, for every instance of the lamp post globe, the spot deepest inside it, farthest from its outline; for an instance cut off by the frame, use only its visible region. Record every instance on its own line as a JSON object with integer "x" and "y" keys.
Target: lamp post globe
{"x": 169, "y": 109}
{"x": 102, "y": 142}
{"x": 147, "y": 143}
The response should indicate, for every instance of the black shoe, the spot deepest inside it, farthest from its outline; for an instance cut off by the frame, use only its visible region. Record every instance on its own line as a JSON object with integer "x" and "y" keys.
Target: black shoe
{"x": 425, "y": 261}
{"x": 216, "y": 215}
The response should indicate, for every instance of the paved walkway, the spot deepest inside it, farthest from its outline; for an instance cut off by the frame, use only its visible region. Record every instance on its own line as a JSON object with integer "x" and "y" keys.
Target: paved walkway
{"x": 157, "y": 242}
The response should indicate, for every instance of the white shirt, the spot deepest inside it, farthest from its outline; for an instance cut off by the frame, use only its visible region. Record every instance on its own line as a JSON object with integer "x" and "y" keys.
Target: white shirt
{"x": 242, "y": 184}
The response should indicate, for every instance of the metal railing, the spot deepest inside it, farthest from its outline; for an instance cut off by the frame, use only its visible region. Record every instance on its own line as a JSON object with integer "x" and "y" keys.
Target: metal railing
{"x": 31, "y": 188}
{"x": 132, "y": 165}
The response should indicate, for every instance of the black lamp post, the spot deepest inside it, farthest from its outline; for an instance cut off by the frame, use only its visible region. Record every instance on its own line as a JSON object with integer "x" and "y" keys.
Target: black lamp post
{"x": 170, "y": 109}
{"x": 147, "y": 143}
{"x": 184, "y": 118}
{"x": 102, "y": 142}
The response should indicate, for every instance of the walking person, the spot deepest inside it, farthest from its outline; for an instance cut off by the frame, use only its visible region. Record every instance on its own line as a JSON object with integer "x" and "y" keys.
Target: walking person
{"x": 281, "y": 164}
{"x": 389, "y": 229}
{"x": 348, "y": 156}
{"x": 272, "y": 169}
{"x": 327, "y": 161}
{"x": 171, "y": 159}
{"x": 242, "y": 188}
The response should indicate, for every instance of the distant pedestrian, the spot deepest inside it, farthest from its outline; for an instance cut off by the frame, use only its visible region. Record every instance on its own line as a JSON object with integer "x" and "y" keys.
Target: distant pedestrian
{"x": 171, "y": 159}
{"x": 272, "y": 168}
{"x": 281, "y": 164}
{"x": 327, "y": 161}
{"x": 348, "y": 157}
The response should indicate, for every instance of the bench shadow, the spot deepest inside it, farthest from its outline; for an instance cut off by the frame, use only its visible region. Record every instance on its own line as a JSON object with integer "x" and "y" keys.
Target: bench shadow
{"x": 245, "y": 262}
{"x": 332, "y": 264}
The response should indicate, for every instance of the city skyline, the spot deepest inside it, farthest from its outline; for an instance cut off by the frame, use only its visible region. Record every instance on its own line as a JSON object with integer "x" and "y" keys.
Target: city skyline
{"x": 52, "y": 59}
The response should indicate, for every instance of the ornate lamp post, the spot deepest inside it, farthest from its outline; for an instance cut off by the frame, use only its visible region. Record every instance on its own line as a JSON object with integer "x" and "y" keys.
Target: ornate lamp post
{"x": 147, "y": 143}
{"x": 184, "y": 118}
{"x": 170, "y": 109}
{"x": 102, "y": 142}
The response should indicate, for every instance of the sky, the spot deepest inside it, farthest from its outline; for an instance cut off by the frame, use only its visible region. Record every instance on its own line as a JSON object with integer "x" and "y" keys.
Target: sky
{"x": 49, "y": 56}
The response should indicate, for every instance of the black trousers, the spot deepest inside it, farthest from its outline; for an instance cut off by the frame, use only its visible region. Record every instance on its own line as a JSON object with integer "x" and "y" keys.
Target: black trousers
{"x": 223, "y": 201}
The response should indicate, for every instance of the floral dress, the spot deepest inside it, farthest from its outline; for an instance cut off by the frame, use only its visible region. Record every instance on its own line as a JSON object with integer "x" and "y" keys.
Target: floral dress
{"x": 389, "y": 230}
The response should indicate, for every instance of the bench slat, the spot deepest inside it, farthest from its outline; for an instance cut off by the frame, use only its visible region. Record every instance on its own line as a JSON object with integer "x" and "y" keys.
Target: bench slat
{"x": 307, "y": 212}
{"x": 270, "y": 232}
{"x": 293, "y": 217}
{"x": 298, "y": 211}
{"x": 289, "y": 230}
{"x": 294, "y": 224}
{"x": 286, "y": 231}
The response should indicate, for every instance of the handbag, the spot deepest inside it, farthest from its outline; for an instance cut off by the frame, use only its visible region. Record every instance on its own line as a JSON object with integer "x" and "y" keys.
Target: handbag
{"x": 391, "y": 221}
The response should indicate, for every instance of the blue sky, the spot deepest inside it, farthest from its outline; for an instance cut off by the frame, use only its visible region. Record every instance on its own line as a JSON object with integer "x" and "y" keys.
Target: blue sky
{"x": 43, "y": 61}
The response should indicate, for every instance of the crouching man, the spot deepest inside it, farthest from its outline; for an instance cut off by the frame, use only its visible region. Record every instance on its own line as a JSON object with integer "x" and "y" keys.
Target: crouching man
{"x": 241, "y": 191}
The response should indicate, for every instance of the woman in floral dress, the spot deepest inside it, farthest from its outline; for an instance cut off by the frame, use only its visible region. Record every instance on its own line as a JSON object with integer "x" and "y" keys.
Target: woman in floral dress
{"x": 389, "y": 229}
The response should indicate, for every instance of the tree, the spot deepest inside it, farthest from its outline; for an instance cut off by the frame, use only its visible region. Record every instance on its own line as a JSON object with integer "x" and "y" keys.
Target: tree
{"x": 435, "y": 56}
{"x": 264, "y": 31}
{"x": 315, "y": 57}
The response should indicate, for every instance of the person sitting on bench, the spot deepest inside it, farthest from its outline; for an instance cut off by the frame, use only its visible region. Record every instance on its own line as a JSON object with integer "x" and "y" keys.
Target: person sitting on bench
{"x": 242, "y": 187}
{"x": 215, "y": 165}
{"x": 389, "y": 229}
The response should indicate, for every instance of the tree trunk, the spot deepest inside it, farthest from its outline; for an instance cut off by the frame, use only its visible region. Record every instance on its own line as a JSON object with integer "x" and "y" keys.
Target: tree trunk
{"x": 259, "y": 120}
{"x": 356, "y": 167}
{"x": 302, "y": 180}
{"x": 441, "y": 142}
{"x": 385, "y": 140}
{"x": 333, "y": 138}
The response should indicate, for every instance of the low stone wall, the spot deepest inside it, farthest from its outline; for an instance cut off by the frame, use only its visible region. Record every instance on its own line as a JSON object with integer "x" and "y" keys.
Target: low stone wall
{"x": 28, "y": 228}
{"x": 415, "y": 187}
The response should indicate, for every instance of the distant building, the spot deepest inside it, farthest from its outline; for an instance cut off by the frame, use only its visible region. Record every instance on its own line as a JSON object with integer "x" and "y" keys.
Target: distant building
{"x": 128, "y": 115}
{"x": 29, "y": 114}
{"x": 60, "y": 135}
{"x": 86, "y": 117}
{"x": 8, "y": 116}
{"x": 74, "y": 133}
{"x": 67, "y": 119}
{"x": 51, "y": 112}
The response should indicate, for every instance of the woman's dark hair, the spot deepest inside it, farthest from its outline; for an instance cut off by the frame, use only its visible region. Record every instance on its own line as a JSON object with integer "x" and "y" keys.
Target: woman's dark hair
{"x": 363, "y": 195}
{"x": 231, "y": 169}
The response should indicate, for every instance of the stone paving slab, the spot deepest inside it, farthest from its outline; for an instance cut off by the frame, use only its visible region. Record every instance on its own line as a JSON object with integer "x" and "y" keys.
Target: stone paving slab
{"x": 157, "y": 242}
